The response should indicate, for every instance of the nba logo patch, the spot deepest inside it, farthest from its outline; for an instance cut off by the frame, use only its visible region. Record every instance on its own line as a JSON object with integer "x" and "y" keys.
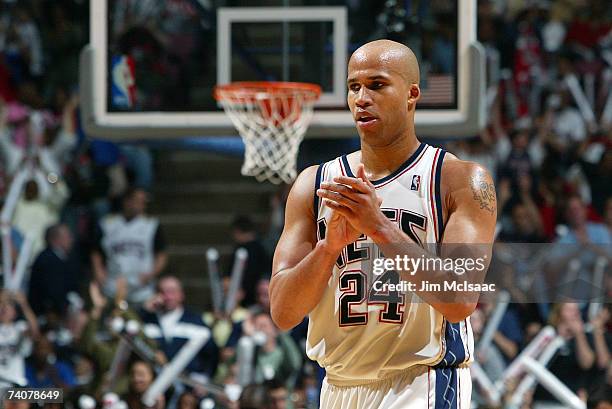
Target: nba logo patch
{"x": 416, "y": 182}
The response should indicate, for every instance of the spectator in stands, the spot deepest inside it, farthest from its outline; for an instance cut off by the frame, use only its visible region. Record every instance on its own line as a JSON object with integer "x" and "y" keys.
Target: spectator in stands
{"x": 254, "y": 396}
{"x": 602, "y": 339}
{"x": 15, "y": 337}
{"x": 130, "y": 245}
{"x": 600, "y": 394}
{"x": 44, "y": 370}
{"x": 524, "y": 155}
{"x": 98, "y": 340}
{"x": 52, "y": 141}
{"x": 170, "y": 324}
{"x": 526, "y": 226}
{"x": 279, "y": 396}
{"x": 526, "y": 222}
{"x": 278, "y": 356}
{"x": 580, "y": 229}
{"x": 34, "y": 213}
{"x": 55, "y": 273}
{"x": 576, "y": 357}
{"x": 24, "y": 43}
{"x": 577, "y": 250}
{"x": 141, "y": 378}
{"x": 259, "y": 263}
{"x": 187, "y": 400}
{"x": 567, "y": 122}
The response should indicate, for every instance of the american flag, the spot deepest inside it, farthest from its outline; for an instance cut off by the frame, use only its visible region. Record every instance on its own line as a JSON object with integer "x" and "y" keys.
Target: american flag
{"x": 438, "y": 89}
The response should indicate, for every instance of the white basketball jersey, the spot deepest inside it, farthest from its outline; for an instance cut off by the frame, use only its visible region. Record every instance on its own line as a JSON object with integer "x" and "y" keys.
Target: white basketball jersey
{"x": 129, "y": 250}
{"x": 359, "y": 335}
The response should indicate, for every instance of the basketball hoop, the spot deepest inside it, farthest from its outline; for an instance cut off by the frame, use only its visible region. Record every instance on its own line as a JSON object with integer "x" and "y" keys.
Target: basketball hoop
{"x": 272, "y": 118}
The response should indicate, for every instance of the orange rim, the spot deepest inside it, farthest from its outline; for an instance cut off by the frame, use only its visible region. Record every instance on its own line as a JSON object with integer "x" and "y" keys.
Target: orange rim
{"x": 248, "y": 89}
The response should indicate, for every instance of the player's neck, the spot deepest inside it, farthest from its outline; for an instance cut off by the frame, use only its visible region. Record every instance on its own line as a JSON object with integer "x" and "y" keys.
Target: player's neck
{"x": 379, "y": 161}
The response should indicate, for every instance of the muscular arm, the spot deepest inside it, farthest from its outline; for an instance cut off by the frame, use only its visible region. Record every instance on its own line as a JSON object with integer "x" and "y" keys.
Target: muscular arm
{"x": 471, "y": 208}
{"x": 301, "y": 267}
{"x": 470, "y": 212}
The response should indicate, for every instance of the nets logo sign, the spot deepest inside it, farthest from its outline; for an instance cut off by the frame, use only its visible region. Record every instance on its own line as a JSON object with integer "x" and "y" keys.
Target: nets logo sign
{"x": 123, "y": 89}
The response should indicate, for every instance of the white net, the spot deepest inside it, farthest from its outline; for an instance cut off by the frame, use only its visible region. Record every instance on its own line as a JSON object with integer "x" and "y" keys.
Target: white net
{"x": 272, "y": 120}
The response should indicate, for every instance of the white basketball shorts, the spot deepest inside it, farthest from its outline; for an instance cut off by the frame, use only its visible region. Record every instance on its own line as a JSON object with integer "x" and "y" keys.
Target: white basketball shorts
{"x": 421, "y": 387}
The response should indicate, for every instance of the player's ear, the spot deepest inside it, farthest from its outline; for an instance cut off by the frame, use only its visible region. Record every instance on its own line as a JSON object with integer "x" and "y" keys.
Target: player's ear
{"x": 414, "y": 94}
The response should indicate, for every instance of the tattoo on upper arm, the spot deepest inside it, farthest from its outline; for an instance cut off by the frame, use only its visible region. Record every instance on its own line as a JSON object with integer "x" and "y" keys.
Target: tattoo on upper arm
{"x": 483, "y": 191}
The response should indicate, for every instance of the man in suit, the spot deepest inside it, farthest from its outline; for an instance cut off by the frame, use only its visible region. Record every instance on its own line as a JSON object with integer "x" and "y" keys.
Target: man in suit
{"x": 55, "y": 273}
{"x": 170, "y": 325}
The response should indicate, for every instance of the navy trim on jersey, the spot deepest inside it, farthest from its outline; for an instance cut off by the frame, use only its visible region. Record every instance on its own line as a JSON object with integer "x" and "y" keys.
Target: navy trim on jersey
{"x": 315, "y": 209}
{"x": 438, "y": 196}
{"x": 447, "y": 391}
{"x": 411, "y": 159}
{"x": 455, "y": 350}
{"x": 349, "y": 171}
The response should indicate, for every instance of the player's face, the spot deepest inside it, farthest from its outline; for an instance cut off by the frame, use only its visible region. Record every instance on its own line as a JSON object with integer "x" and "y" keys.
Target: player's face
{"x": 378, "y": 99}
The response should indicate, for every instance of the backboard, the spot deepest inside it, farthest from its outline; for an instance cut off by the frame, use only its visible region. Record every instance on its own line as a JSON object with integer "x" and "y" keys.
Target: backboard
{"x": 151, "y": 66}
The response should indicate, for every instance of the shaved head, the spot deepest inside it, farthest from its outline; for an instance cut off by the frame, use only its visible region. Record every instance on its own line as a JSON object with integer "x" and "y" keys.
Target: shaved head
{"x": 383, "y": 90}
{"x": 390, "y": 55}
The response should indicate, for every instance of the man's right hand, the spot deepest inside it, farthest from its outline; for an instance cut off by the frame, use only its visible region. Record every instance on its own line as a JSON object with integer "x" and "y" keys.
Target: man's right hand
{"x": 339, "y": 232}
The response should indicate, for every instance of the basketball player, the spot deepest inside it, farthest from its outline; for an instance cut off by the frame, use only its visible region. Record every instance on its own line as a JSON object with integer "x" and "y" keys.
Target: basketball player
{"x": 381, "y": 350}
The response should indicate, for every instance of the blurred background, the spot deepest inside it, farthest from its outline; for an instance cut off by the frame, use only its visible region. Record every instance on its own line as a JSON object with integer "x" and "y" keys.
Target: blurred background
{"x": 81, "y": 282}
